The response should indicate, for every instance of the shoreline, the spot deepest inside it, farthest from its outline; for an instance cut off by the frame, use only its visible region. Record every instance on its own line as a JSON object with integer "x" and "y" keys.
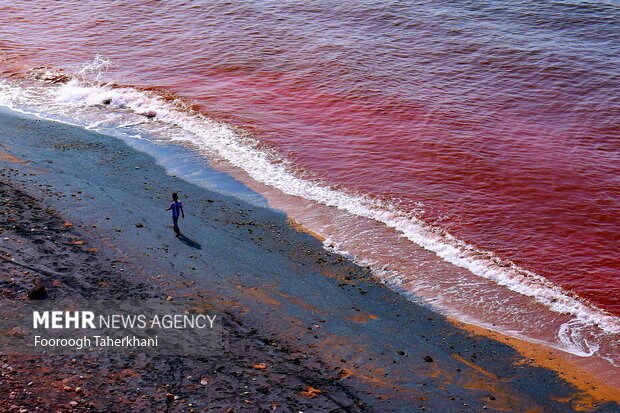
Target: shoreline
{"x": 595, "y": 389}
{"x": 281, "y": 283}
{"x": 574, "y": 369}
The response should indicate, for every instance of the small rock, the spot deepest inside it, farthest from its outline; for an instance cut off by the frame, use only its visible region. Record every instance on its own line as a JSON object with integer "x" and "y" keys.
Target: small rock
{"x": 428, "y": 359}
{"x": 169, "y": 397}
{"x": 38, "y": 292}
{"x": 139, "y": 225}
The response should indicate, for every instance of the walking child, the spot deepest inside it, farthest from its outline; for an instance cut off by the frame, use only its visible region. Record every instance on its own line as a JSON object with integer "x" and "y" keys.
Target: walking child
{"x": 177, "y": 210}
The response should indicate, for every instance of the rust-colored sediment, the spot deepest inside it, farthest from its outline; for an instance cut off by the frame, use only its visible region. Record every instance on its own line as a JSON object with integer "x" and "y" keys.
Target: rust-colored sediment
{"x": 7, "y": 157}
{"x": 299, "y": 302}
{"x": 362, "y": 317}
{"x": 259, "y": 294}
{"x": 594, "y": 390}
{"x": 297, "y": 226}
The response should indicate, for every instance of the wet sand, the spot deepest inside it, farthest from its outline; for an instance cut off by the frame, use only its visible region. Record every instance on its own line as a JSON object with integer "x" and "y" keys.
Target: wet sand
{"x": 329, "y": 336}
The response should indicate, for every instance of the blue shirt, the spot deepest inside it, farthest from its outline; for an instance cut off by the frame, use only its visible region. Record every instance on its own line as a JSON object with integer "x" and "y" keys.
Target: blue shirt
{"x": 176, "y": 208}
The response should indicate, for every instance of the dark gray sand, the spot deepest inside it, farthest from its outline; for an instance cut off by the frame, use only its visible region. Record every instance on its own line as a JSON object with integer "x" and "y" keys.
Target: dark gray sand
{"x": 305, "y": 329}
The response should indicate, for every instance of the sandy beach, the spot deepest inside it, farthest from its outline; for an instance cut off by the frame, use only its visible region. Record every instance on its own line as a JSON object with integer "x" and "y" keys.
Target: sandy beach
{"x": 305, "y": 329}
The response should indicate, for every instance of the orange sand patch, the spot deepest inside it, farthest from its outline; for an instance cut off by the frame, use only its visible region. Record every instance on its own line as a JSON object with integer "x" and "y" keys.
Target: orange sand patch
{"x": 124, "y": 374}
{"x": 362, "y": 317}
{"x": 310, "y": 392}
{"x": 344, "y": 373}
{"x": 76, "y": 241}
{"x": 299, "y": 302}
{"x": 593, "y": 389}
{"x": 211, "y": 301}
{"x": 484, "y": 382}
{"x": 300, "y": 228}
{"x": 7, "y": 157}
{"x": 475, "y": 367}
{"x": 258, "y": 294}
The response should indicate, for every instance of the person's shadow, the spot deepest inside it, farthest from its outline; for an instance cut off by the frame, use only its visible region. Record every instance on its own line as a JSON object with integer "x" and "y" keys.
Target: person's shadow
{"x": 189, "y": 242}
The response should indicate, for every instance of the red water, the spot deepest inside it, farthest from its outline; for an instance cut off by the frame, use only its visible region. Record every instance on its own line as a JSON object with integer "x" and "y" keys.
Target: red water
{"x": 502, "y": 120}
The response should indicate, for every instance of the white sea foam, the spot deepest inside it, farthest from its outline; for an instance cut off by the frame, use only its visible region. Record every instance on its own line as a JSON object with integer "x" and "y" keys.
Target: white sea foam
{"x": 77, "y": 98}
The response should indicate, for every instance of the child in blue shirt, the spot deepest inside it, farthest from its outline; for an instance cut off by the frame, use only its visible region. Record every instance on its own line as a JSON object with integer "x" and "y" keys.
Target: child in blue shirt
{"x": 177, "y": 209}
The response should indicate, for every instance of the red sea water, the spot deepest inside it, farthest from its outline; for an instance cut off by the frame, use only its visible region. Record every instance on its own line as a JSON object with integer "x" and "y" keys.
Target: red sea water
{"x": 496, "y": 121}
